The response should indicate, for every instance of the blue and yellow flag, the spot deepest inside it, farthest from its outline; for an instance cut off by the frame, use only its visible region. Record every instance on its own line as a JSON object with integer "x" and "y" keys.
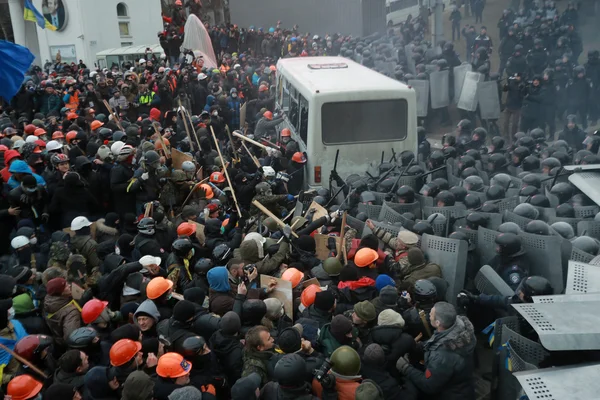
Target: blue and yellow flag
{"x": 32, "y": 14}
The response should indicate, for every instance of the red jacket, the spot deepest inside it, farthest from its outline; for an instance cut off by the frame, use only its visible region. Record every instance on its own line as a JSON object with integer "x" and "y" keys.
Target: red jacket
{"x": 353, "y": 285}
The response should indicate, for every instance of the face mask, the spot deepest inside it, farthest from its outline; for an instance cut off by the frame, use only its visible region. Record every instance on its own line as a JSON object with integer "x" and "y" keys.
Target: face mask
{"x": 234, "y": 95}
{"x": 117, "y": 250}
{"x": 33, "y": 241}
{"x": 215, "y": 114}
{"x": 11, "y": 313}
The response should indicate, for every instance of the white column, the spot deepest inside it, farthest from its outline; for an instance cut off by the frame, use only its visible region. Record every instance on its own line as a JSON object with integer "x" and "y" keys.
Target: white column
{"x": 18, "y": 23}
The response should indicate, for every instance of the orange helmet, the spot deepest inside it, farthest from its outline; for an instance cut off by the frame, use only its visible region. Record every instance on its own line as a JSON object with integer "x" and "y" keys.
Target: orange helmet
{"x": 92, "y": 310}
{"x": 70, "y": 136}
{"x": 365, "y": 257}
{"x": 186, "y": 229}
{"x": 71, "y": 116}
{"x": 30, "y": 128}
{"x": 299, "y": 158}
{"x": 96, "y": 124}
{"x": 285, "y": 132}
{"x": 217, "y": 177}
{"x": 208, "y": 190}
{"x": 293, "y": 275}
{"x": 308, "y": 295}
{"x": 273, "y": 68}
{"x": 123, "y": 351}
{"x": 157, "y": 287}
{"x": 263, "y": 88}
{"x": 173, "y": 365}
{"x": 39, "y": 132}
{"x": 158, "y": 144}
{"x": 58, "y": 135}
{"x": 23, "y": 387}
{"x": 268, "y": 115}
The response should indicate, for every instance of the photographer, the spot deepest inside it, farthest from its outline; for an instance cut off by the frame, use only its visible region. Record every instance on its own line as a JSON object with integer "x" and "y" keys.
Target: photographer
{"x": 514, "y": 101}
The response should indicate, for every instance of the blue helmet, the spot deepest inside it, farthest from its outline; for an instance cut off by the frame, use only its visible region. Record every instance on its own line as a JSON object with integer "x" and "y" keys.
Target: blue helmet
{"x": 271, "y": 30}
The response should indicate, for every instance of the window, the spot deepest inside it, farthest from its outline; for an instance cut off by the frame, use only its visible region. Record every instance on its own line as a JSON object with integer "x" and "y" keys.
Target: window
{"x": 124, "y": 28}
{"x": 303, "y": 118}
{"x": 294, "y": 115}
{"x": 122, "y": 10}
{"x": 126, "y": 44}
{"x": 364, "y": 121}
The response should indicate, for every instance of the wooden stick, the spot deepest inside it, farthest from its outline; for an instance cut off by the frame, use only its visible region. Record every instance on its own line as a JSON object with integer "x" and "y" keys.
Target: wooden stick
{"x": 293, "y": 225}
{"x": 343, "y": 236}
{"x": 193, "y": 190}
{"x": 268, "y": 213}
{"x": 24, "y": 361}
{"x": 235, "y": 153}
{"x": 252, "y": 141}
{"x": 226, "y": 173}
{"x": 162, "y": 142}
{"x": 111, "y": 111}
{"x": 256, "y": 162}
{"x": 182, "y": 113}
{"x": 148, "y": 211}
{"x": 266, "y": 142}
{"x": 186, "y": 113}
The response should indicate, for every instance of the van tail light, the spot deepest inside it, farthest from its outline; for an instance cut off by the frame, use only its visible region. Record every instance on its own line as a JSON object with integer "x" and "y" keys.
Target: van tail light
{"x": 318, "y": 174}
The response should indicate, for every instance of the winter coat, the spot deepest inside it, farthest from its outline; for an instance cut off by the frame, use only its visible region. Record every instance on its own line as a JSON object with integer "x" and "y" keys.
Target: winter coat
{"x": 175, "y": 331}
{"x": 62, "y": 316}
{"x": 394, "y": 341}
{"x": 249, "y": 252}
{"x": 273, "y": 391}
{"x": 322, "y": 317}
{"x": 74, "y": 379}
{"x": 96, "y": 385}
{"x": 265, "y": 127}
{"x": 449, "y": 364}
{"x": 344, "y": 386}
{"x": 110, "y": 285}
{"x": 259, "y": 362}
{"x": 105, "y": 233}
{"x": 313, "y": 361}
{"x": 228, "y": 350}
{"x": 425, "y": 271}
{"x": 390, "y": 387}
{"x": 69, "y": 202}
{"x": 123, "y": 200}
{"x": 86, "y": 246}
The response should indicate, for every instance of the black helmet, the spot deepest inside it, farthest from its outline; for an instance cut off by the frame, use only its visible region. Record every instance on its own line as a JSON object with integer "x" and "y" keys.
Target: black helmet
{"x": 472, "y": 202}
{"x": 386, "y": 185}
{"x": 105, "y": 133}
{"x": 473, "y": 183}
{"x": 534, "y": 286}
{"x": 430, "y": 189}
{"x": 442, "y": 183}
{"x": 532, "y": 180}
{"x": 508, "y": 244}
{"x": 531, "y": 163}
{"x": 367, "y": 197}
{"x": 425, "y": 291}
{"x": 473, "y": 153}
{"x": 118, "y": 136}
{"x": 539, "y": 200}
{"x": 495, "y": 192}
{"x": 182, "y": 247}
{"x": 464, "y": 125}
{"x": 587, "y": 244}
{"x": 222, "y": 254}
{"x": 203, "y": 265}
{"x": 323, "y": 192}
{"x": 527, "y": 211}
{"x": 529, "y": 191}
{"x": 519, "y": 154}
{"x": 406, "y": 193}
{"x": 550, "y": 163}
{"x": 422, "y": 227}
{"x": 497, "y": 143}
{"x": 538, "y": 228}
{"x": 538, "y": 135}
{"x": 450, "y": 152}
{"x": 446, "y": 198}
{"x": 565, "y": 210}
{"x": 564, "y": 229}
{"x": 490, "y": 207}
{"x": 253, "y": 310}
{"x": 415, "y": 170}
{"x": 290, "y": 370}
{"x": 509, "y": 227}
{"x": 449, "y": 139}
{"x": 580, "y": 155}
{"x": 462, "y": 236}
{"x": 421, "y": 133}
{"x": 320, "y": 200}
{"x": 502, "y": 180}
{"x": 562, "y": 157}
{"x": 526, "y": 141}
{"x": 466, "y": 162}
{"x": 436, "y": 159}
{"x": 146, "y": 226}
{"x": 470, "y": 171}
{"x": 481, "y": 134}
{"x": 459, "y": 193}
{"x": 192, "y": 347}
{"x": 406, "y": 157}
{"x": 81, "y": 338}
{"x": 496, "y": 162}
{"x": 409, "y": 216}
{"x": 362, "y": 216}
{"x": 475, "y": 220}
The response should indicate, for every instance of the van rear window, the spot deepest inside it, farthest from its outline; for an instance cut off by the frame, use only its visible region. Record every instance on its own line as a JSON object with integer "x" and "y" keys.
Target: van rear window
{"x": 364, "y": 121}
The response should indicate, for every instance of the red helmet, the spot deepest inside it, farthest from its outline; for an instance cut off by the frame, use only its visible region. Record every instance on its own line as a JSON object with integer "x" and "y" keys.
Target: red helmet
{"x": 285, "y": 132}
{"x": 92, "y": 310}
{"x": 39, "y": 132}
{"x": 71, "y": 135}
{"x": 268, "y": 115}
{"x": 30, "y": 128}
{"x": 31, "y": 346}
{"x": 263, "y": 88}
{"x": 299, "y": 158}
{"x": 58, "y": 135}
{"x": 124, "y": 351}
{"x": 23, "y": 387}
{"x": 217, "y": 177}
{"x": 3, "y": 147}
{"x": 186, "y": 229}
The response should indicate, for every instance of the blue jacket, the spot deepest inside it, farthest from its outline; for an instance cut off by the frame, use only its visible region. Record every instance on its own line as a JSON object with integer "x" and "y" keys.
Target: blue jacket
{"x": 21, "y": 167}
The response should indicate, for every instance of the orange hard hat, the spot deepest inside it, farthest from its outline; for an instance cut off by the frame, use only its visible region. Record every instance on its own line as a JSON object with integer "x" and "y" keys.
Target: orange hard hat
{"x": 123, "y": 351}
{"x": 208, "y": 190}
{"x": 58, "y": 135}
{"x": 23, "y": 387}
{"x": 268, "y": 115}
{"x": 308, "y": 295}
{"x": 173, "y": 365}
{"x": 158, "y": 144}
{"x": 30, "y": 128}
{"x": 71, "y": 116}
{"x": 178, "y": 3}
{"x": 96, "y": 124}
{"x": 365, "y": 257}
{"x": 285, "y": 132}
{"x": 92, "y": 310}
{"x": 273, "y": 68}
{"x": 39, "y": 132}
{"x": 157, "y": 287}
{"x": 186, "y": 229}
{"x": 263, "y": 88}
{"x": 293, "y": 275}
{"x": 299, "y": 157}
{"x": 71, "y": 135}
{"x": 217, "y": 177}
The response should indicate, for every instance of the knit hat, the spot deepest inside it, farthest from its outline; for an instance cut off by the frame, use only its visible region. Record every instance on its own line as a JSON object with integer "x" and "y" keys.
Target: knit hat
{"x": 128, "y": 331}
{"x": 184, "y": 310}
{"x": 245, "y": 388}
{"x": 389, "y": 296}
{"x": 365, "y": 310}
{"x": 111, "y": 219}
{"x": 47, "y": 275}
{"x": 415, "y": 256}
{"x": 56, "y": 286}
{"x": 374, "y": 355}
{"x": 195, "y": 295}
{"x": 324, "y": 301}
{"x": 186, "y": 393}
{"x": 306, "y": 243}
{"x": 124, "y": 243}
{"x": 340, "y": 326}
{"x": 274, "y": 308}
{"x": 289, "y": 340}
{"x": 230, "y": 324}
{"x": 138, "y": 386}
{"x": 348, "y": 273}
{"x": 390, "y": 317}
{"x": 59, "y": 391}
{"x": 7, "y": 286}
{"x": 382, "y": 281}
{"x": 368, "y": 390}
{"x": 408, "y": 238}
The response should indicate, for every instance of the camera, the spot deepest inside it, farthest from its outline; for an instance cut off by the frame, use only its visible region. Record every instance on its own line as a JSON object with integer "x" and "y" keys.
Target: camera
{"x": 322, "y": 371}
{"x": 248, "y": 269}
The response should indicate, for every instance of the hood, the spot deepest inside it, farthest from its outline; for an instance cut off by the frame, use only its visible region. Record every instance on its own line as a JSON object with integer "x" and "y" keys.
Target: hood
{"x": 100, "y": 226}
{"x": 224, "y": 344}
{"x": 218, "y": 279}
{"x": 353, "y": 285}
{"x": 60, "y": 236}
{"x": 137, "y": 386}
{"x": 112, "y": 262}
{"x": 210, "y": 100}
{"x": 148, "y": 307}
{"x": 459, "y": 338}
{"x": 96, "y": 383}
{"x": 386, "y": 334}
{"x": 212, "y": 228}
{"x": 249, "y": 251}
{"x": 19, "y": 167}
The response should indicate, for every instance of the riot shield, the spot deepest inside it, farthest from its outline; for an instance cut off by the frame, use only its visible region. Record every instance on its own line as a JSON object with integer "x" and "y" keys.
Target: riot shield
{"x": 571, "y": 221}
{"x": 439, "y": 89}
{"x": 459, "y": 77}
{"x": 510, "y": 216}
{"x": 355, "y": 224}
{"x": 487, "y": 281}
{"x": 425, "y": 201}
{"x": 508, "y": 204}
{"x": 470, "y": 234}
{"x": 544, "y": 256}
{"x": 429, "y": 68}
{"x": 586, "y": 211}
{"x": 371, "y": 210}
{"x": 421, "y": 88}
{"x": 408, "y": 52}
{"x": 546, "y": 213}
{"x": 589, "y": 228}
{"x": 451, "y": 212}
{"x": 577, "y": 382}
{"x": 414, "y": 208}
{"x": 489, "y": 102}
{"x": 564, "y": 326}
{"x": 486, "y": 244}
{"x": 388, "y": 214}
{"x": 582, "y": 278}
{"x": 468, "y": 95}
{"x": 451, "y": 256}
{"x": 580, "y": 255}
{"x": 566, "y": 298}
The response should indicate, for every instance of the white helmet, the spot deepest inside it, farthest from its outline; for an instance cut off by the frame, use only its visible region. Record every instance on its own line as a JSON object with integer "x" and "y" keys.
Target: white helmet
{"x": 116, "y": 147}
{"x": 125, "y": 152}
{"x": 93, "y": 74}
{"x": 79, "y": 222}
{"x": 163, "y": 56}
{"x": 53, "y": 145}
{"x": 30, "y": 139}
{"x": 18, "y": 144}
{"x": 142, "y": 60}
{"x": 268, "y": 171}
{"x": 188, "y": 166}
{"x": 19, "y": 241}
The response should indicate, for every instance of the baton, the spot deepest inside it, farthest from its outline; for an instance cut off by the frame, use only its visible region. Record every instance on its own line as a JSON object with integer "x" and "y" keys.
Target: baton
{"x": 24, "y": 361}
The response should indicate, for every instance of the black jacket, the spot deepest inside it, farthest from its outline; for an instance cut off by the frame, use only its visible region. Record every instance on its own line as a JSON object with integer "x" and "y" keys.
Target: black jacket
{"x": 394, "y": 341}
{"x": 123, "y": 200}
{"x": 390, "y": 387}
{"x": 228, "y": 350}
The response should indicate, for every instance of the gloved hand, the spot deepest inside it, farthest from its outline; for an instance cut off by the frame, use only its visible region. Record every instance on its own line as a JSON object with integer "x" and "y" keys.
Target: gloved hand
{"x": 144, "y": 176}
{"x": 287, "y": 232}
{"x": 402, "y": 365}
{"x": 335, "y": 215}
{"x": 466, "y": 298}
{"x": 290, "y": 197}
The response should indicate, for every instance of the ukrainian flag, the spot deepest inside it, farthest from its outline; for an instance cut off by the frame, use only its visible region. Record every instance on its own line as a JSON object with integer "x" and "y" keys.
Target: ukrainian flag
{"x": 32, "y": 14}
